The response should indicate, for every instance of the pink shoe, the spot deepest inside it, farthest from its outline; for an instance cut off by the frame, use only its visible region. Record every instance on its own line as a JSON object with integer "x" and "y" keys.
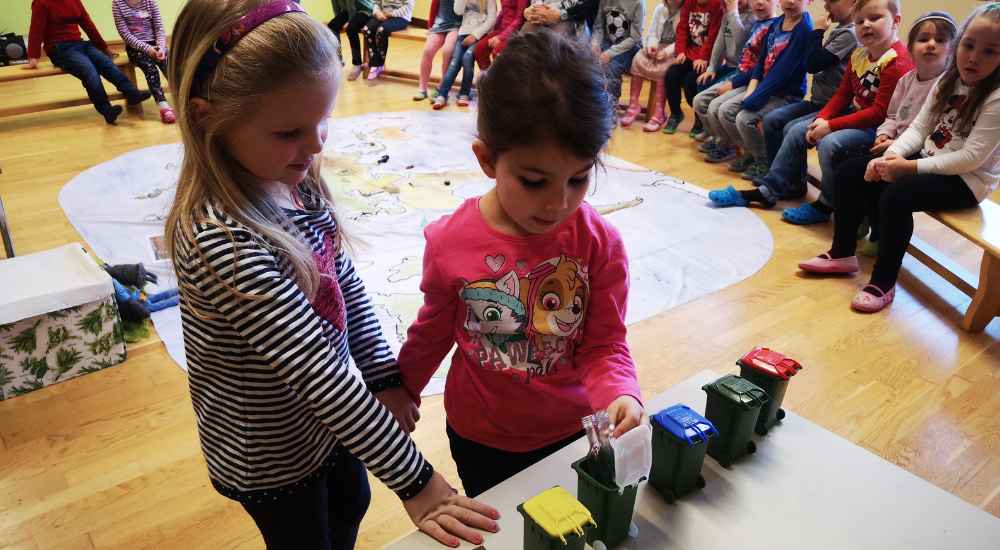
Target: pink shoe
{"x": 825, "y": 264}
{"x": 653, "y": 125}
{"x": 167, "y": 116}
{"x": 871, "y": 299}
{"x": 375, "y": 72}
{"x": 629, "y": 117}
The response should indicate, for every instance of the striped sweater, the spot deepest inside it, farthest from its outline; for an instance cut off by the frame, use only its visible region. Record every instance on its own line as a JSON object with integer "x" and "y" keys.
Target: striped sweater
{"x": 140, "y": 25}
{"x": 269, "y": 377}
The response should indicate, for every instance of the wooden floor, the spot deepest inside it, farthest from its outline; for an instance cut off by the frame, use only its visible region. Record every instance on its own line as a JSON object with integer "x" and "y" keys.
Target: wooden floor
{"x": 111, "y": 459}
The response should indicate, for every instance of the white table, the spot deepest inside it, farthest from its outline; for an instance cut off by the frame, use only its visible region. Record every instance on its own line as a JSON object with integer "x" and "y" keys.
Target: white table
{"x": 804, "y": 489}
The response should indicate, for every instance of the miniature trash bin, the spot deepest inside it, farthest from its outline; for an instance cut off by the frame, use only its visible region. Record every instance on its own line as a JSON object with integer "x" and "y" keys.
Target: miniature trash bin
{"x": 770, "y": 371}
{"x": 611, "y": 505}
{"x": 680, "y": 439}
{"x": 733, "y": 405}
{"x": 554, "y": 520}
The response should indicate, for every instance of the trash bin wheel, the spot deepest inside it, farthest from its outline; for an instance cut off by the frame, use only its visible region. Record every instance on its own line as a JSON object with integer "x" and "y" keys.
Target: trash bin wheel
{"x": 781, "y": 414}
{"x": 701, "y": 482}
{"x": 751, "y": 447}
{"x": 599, "y": 545}
{"x": 669, "y": 496}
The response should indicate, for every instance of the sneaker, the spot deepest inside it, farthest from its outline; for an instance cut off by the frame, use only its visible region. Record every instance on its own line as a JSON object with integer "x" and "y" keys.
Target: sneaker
{"x": 463, "y": 101}
{"x": 672, "y": 123}
{"x": 375, "y": 72}
{"x": 355, "y": 72}
{"x": 717, "y": 155}
{"x": 420, "y": 95}
{"x": 696, "y": 129}
{"x": 112, "y": 112}
{"x": 708, "y": 146}
{"x": 439, "y": 103}
{"x": 741, "y": 164}
{"x": 701, "y": 136}
{"x": 167, "y": 115}
{"x": 138, "y": 98}
{"x": 755, "y": 171}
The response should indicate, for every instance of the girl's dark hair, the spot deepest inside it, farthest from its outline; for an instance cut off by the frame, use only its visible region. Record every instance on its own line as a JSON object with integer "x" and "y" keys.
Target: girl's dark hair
{"x": 544, "y": 86}
{"x": 969, "y": 110}
{"x": 942, "y": 23}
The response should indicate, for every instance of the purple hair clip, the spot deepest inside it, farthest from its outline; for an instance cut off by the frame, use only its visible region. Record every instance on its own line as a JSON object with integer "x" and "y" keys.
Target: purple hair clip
{"x": 253, "y": 19}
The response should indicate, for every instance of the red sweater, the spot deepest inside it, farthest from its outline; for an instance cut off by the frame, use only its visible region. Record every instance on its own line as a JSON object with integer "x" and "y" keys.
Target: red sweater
{"x": 54, "y": 21}
{"x": 697, "y": 28}
{"x": 867, "y": 85}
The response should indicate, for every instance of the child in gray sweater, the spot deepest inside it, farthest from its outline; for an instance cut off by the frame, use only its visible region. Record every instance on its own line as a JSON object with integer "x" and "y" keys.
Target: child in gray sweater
{"x": 617, "y": 37}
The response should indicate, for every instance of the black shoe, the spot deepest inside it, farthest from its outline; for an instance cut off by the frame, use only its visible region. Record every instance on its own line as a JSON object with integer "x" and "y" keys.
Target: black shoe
{"x": 111, "y": 113}
{"x": 139, "y": 98}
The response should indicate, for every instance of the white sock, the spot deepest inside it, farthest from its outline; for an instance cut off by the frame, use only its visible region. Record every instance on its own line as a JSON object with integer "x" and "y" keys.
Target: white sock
{"x": 163, "y": 105}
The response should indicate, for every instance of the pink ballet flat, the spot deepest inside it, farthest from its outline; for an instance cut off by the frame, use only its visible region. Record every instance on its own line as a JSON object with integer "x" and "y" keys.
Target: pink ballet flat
{"x": 653, "y": 125}
{"x": 629, "y": 117}
{"x": 833, "y": 266}
{"x": 871, "y": 299}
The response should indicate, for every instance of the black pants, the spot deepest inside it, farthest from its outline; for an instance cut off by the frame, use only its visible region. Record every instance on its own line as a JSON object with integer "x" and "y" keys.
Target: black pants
{"x": 481, "y": 468}
{"x": 892, "y": 205}
{"x": 323, "y": 515}
{"x": 151, "y": 68}
{"x": 378, "y": 33}
{"x": 354, "y": 26}
{"x": 680, "y": 76}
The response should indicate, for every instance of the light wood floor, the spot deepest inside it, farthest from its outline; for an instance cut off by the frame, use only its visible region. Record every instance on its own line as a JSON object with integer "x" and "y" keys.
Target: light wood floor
{"x": 111, "y": 459}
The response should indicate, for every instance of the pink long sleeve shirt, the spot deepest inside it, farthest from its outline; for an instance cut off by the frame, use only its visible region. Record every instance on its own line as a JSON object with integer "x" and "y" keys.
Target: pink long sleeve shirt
{"x": 539, "y": 322}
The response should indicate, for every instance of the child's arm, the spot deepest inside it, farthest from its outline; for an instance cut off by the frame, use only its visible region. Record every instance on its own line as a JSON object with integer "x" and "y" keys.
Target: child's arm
{"x": 435, "y": 4}
{"x": 88, "y": 26}
{"x": 983, "y": 141}
{"x": 576, "y": 9}
{"x": 406, "y": 10}
{"x": 603, "y": 354}
{"x": 652, "y": 39}
{"x": 637, "y": 16}
{"x": 841, "y": 98}
{"x": 790, "y": 65}
{"x": 515, "y": 22}
{"x": 487, "y": 24}
{"x": 681, "y": 41}
{"x": 874, "y": 114}
{"x": 912, "y": 139}
{"x": 158, "y": 29}
{"x": 459, "y": 7}
{"x": 431, "y": 336}
{"x": 123, "y": 30}
{"x": 890, "y": 125}
{"x": 597, "y": 36}
{"x": 714, "y": 24}
{"x": 821, "y": 57}
{"x": 719, "y": 47}
{"x": 271, "y": 313}
{"x": 36, "y": 32}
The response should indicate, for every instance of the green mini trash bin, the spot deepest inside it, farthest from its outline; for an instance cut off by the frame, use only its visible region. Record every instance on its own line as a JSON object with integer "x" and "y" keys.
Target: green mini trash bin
{"x": 733, "y": 405}
{"x": 554, "y": 520}
{"x": 770, "y": 371}
{"x": 680, "y": 439}
{"x": 611, "y": 509}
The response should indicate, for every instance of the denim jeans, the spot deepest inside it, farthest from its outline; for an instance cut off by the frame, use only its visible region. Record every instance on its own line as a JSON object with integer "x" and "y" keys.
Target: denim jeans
{"x": 778, "y": 121}
{"x": 615, "y": 68}
{"x": 747, "y": 124}
{"x": 84, "y": 61}
{"x": 786, "y": 178}
{"x": 462, "y": 57}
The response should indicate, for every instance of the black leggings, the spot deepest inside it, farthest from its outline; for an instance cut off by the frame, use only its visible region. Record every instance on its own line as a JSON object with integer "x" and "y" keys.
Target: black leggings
{"x": 677, "y": 77}
{"x": 150, "y": 67}
{"x": 354, "y": 26}
{"x": 892, "y": 205}
{"x": 378, "y": 37}
{"x": 481, "y": 468}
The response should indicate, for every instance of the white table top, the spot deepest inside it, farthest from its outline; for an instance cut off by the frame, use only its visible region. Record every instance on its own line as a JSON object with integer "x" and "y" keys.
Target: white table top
{"x": 804, "y": 489}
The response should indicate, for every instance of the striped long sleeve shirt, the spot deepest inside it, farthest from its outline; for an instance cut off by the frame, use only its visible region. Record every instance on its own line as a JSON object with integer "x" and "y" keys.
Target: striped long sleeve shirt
{"x": 140, "y": 25}
{"x": 269, "y": 377}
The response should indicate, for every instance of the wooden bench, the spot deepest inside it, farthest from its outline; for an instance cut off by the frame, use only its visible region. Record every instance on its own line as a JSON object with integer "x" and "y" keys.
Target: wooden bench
{"x": 45, "y": 68}
{"x": 981, "y": 226}
{"x": 8, "y": 245}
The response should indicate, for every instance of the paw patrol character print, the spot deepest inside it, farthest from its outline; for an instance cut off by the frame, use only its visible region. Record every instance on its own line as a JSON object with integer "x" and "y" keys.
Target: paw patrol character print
{"x": 698, "y": 27}
{"x": 494, "y": 310}
{"x": 558, "y": 293}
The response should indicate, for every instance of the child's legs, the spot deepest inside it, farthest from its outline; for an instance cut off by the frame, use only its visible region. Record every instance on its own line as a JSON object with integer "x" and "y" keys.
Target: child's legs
{"x": 69, "y": 57}
{"x": 481, "y": 467}
{"x": 349, "y": 496}
{"x": 484, "y": 51}
{"x": 729, "y": 105}
{"x": 895, "y": 216}
{"x": 448, "y": 78}
{"x": 431, "y": 46}
{"x": 355, "y": 26}
{"x": 378, "y": 37}
{"x": 107, "y": 68}
{"x": 786, "y": 177}
{"x": 833, "y": 149}
{"x": 748, "y": 126}
{"x": 468, "y": 70}
{"x": 674, "y": 80}
{"x": 615, "y": 69}
{"x": 778, "y": 120}
{"x": 702, "y": 101}
{"x": 338, "y": 23}
{"x": 448, "y": 49}
{"x": 150, "y": 69}
{"x": 855, "y": 199}
{"x": 690, "y": 86}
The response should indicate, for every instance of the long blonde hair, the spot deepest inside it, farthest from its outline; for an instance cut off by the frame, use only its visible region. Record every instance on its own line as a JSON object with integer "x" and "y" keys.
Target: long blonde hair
{"x": 285, "y": 48}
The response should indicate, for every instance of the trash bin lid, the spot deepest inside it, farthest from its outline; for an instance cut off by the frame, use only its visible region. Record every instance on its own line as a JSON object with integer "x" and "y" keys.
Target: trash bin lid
{"x": 770, "y": 362}
{"x": 558, "y": 513}
{"x": 685, "y": 424}
{"x": 738, "y": 390}
{"x": 633, "y": 456}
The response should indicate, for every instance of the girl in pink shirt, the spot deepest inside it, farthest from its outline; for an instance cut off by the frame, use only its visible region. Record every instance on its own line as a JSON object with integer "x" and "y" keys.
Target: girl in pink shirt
{"x": 528, "y": 280}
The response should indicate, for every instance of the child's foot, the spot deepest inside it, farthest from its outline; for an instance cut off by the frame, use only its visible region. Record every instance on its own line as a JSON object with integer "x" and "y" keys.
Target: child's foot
{"x": 420, "y": 95}
{"x": 741, "y": 164}
{"x": 375, "y": 72}
{"x": 696, "y": 129}
{"x": 718, "y": 155}
{"x": 701, "y": 136}
{"x": 138, "y": 98}
{"x": 806, "y": 214}
{"x": 827, "y": 264}
{"x": 731, "y": 197}
{"x": 755, "y": 171}
{"x": 653, "y": 125}
{"x": 463, "y": 101}
{"x": 871, "y": 299}
{"x": 672, "y": 123}
{"x": 629, "y": 117}
{"x": 112, "y": 112}
{"x": 355, "y": 72}
{"x": 869, "y": 248}
{"x": 439, "y": 102}
{"x": 167, "y": 116}
{"x": 708, "y": 146}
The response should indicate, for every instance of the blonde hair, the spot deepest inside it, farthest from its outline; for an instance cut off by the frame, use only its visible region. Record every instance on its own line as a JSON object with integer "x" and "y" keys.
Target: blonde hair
{"x": 279, "y": 51}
